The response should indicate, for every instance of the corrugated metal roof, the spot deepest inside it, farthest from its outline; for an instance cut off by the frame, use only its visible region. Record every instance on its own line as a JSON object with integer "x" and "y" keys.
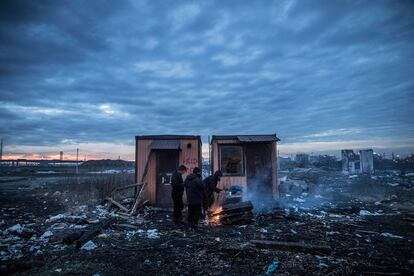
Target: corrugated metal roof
{"x": 164, "y": 144}
{"x": 257, "y": 138}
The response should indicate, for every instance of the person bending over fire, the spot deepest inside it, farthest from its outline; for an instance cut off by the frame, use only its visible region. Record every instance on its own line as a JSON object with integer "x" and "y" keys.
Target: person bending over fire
{"x": 210, "y": 187}
{"x": 194, "y": 189}
{"x": 177, "y": 192}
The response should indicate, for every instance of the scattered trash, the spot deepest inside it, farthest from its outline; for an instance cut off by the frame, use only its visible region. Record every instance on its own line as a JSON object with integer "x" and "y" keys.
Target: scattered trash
{"x": 17, "y": 228}
{"x": 389, "y": 235}
{"x": 297, "y": 199}
{"x": 368, "y": 213}
{"x": 272, "y": 267}
{"x": 90, "y": 245}
{"x": 46, "y": 235}
{"x": 153, "y": 234}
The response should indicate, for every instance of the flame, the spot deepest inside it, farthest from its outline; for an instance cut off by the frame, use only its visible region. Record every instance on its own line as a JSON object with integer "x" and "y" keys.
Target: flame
{"x": 214, "y": 214}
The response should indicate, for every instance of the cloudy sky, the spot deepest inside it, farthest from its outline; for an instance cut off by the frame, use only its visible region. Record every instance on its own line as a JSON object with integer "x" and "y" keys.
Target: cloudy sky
{"x": 323, "y": 75}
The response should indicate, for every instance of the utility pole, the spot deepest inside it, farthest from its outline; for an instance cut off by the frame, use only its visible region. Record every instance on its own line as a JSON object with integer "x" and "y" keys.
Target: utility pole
{"x": 1, "y": 149}
{"x": 77, "y": 159}
{"x": 209, "y": 154}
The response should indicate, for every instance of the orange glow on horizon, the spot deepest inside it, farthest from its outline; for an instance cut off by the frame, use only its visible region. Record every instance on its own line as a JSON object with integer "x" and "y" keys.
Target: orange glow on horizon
{"x": 35, "y": 156}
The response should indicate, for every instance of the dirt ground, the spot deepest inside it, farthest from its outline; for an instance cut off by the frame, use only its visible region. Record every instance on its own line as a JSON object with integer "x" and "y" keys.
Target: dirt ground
{"x": 368, "y": 228}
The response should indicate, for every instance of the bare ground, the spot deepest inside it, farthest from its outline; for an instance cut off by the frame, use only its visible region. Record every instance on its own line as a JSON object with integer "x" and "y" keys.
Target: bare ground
{"x": 380, "y": 244}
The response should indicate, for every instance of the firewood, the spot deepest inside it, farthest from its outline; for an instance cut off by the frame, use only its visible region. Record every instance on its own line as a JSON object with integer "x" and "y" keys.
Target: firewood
{"x": 117, "y": 204}
{"x": 237, "y": 207}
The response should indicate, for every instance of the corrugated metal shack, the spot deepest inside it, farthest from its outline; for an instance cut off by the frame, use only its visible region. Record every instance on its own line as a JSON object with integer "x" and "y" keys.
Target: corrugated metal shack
{"x": 246, "y": 160}
{"x": 157, "y": 156}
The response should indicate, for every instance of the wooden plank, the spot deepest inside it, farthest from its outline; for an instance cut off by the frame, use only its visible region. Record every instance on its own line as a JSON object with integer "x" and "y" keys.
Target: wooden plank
{"x": 137, "y": 203}
{"x": 292, "y": 246}
{"x": 117, "y": 204}
{"x": 93, "y": 231}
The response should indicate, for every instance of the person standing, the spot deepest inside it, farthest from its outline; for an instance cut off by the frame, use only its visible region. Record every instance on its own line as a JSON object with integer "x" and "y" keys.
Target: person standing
{"x": 177, "y": 192}
{"x": 210, "y": 187}
{"x": 194, "y": 189}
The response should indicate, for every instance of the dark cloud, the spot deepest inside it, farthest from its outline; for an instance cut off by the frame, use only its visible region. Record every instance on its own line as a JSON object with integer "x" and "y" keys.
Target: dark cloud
{"x": 104, "y": 71}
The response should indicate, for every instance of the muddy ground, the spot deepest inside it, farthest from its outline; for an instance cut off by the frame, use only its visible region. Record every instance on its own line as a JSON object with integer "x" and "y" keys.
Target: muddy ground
{"x": 366, "y": 221}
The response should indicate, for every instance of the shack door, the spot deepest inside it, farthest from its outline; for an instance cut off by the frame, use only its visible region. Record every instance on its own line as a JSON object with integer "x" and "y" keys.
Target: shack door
{"x": 167, "y": 162}
{"x": 259, "y": 169}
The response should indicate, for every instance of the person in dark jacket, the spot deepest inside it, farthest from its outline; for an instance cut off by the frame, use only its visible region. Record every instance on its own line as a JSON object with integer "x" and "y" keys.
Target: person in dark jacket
{"x": 210, "y": 187}
{"x": 194, "y": 189}
{"x": 177, "y": 192}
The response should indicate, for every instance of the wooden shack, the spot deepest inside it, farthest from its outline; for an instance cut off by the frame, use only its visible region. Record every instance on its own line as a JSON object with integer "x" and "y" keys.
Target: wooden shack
{"x": 156, "y": 158}
{"x": 248, "y": 161}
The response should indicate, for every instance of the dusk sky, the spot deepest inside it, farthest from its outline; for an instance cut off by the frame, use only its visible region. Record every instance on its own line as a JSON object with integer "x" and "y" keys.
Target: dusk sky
{"x": 323, "y": 75}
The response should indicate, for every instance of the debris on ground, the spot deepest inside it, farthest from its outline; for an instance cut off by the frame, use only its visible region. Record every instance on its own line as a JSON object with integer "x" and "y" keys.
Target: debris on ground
{"x": 332, "y": 226}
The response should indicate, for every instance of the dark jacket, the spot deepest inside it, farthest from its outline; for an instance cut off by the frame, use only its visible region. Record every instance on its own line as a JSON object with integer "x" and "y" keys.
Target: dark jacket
{"x": 210, "y": 184}
{"x": 177, "y": 183}
{"x": 194, "y": 189}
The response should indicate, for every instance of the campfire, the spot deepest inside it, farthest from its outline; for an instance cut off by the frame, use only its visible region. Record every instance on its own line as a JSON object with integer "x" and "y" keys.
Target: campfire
{"x": 231, "y": 213}
{"x": 214, "y": 214}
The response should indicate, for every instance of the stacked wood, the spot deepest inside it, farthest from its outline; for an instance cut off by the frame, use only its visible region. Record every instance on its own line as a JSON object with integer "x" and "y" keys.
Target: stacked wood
{"x": 235, "y": 212}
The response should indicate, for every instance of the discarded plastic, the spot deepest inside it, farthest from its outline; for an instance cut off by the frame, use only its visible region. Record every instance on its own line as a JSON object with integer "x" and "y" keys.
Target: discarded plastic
{"x": 389, "y": 235}
{"x": 46, "y": 234}
{"x": 297, "y": 199}
{"x": 90, "y": 245}
{"x": 368, "y": 213}
{"x": 17, "y": 228}
{"x": 272, "y": 267}
{"x": 152, "y": 234}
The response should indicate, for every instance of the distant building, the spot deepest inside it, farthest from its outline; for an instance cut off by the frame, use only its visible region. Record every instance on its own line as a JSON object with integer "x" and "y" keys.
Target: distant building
{"x": 357, "y": 162}
{"x": 284, "y": 163}
{"x": 302, "y": 159}
{"x": 366, "y": 161}
{"x": 349, "y": 160}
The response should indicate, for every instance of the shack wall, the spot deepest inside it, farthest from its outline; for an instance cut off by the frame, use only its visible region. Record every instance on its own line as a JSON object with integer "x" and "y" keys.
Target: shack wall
{"x": 275, "y": 186}
{"x": 189, "y": 156}
{"x": 227, "y": 181}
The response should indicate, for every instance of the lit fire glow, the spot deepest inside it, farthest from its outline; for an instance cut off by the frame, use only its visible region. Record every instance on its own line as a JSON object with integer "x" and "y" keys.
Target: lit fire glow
{"x": 214, "y": 214}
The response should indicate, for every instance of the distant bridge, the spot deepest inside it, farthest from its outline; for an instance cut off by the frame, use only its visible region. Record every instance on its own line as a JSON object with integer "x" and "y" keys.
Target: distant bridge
{"x": 39, "y": 163}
